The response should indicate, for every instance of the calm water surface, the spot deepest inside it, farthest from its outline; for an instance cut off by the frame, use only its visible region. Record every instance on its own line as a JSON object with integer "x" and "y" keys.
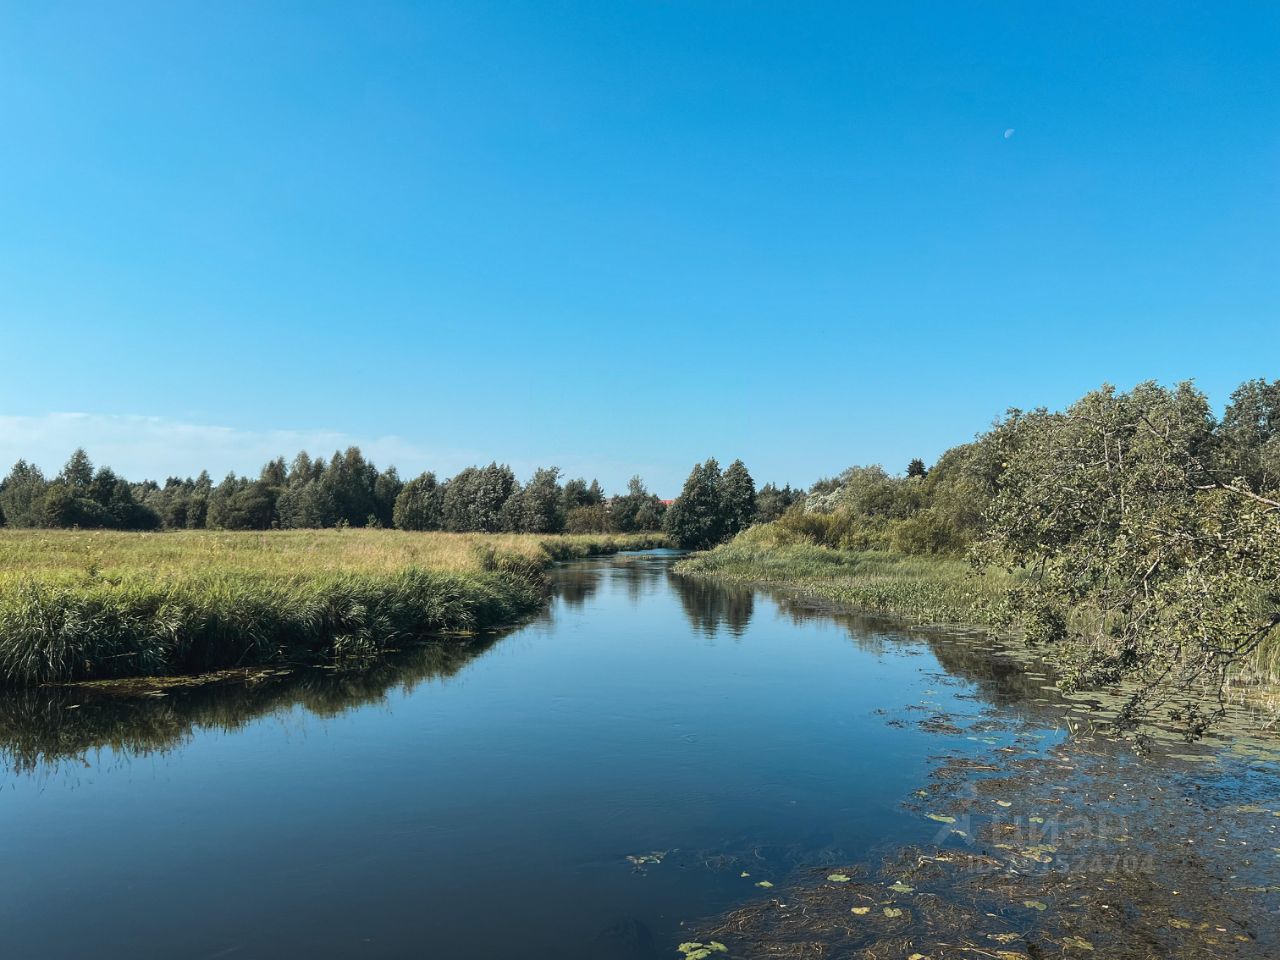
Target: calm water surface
{"x": 483, "y": 802}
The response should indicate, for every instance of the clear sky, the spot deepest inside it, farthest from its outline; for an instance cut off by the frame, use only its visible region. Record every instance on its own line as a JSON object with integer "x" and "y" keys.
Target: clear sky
{"x": 621, "y": 237}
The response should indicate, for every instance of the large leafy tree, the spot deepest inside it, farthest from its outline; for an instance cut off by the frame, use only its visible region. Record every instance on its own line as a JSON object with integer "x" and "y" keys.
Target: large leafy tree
{"x": 419, "y": 505}
{"x": 541, "y": 503}
{"x": 1143, "y": 564}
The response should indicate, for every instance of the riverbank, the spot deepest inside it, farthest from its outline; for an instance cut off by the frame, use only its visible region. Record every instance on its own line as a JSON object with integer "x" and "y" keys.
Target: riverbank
{"x": 92, "y": 605}
{"x": 932, "y": 589}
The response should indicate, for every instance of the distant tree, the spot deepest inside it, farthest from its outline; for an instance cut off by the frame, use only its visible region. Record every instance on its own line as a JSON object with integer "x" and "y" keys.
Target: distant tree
{"x": 386, "y": 488}
{"x": 916, "y": 468}
{"x": 81, "y": 497}
{"x": 1247, "y": 445}
{"x": 697, "y": 518}
{"x": 420, "y": 504}
{"x": 77, "y": 473}
{"x": 198, "y": 502}
{"x": 541, "y": 503}
{"x": 474, "y": 498}
{"x": 589, "y": 519}
{"x": 578, "y": 493}
{"x": 22, "y": 495}
{"x": 511, "y": 516}
{"x": 637, "y": 509}
{"x": 738, "y": 497}
{"x": 350, "y": 481}
{"x": 772, "y": 502}
{"x": 274, "y": 473}
{"x": 650, "y": 515}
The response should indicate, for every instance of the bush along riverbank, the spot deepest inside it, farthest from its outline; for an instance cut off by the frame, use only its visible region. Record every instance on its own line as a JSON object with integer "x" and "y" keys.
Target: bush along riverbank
{"x": 83, "y": 606}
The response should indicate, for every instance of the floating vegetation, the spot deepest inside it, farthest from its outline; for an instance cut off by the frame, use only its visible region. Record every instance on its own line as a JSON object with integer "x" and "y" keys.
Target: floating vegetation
{"x": 700, "y": 951}
{"x": 1060, "y": 883}
{"x": 645, "y": 859}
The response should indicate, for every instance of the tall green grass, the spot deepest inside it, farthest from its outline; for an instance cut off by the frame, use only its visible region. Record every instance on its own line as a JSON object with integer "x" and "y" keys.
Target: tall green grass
{"x": 935, "y": 589}
{"x": 77, "y": 605}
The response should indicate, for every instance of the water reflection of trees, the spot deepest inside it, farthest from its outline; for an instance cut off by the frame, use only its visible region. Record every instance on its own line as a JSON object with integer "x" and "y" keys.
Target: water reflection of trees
{"x": 710, "y": 605}
{"x": 43, "y": 726}
{"x": 1002, "y": 674}
{"x": 576, "y": 584}
{"x": 638, "y": 575}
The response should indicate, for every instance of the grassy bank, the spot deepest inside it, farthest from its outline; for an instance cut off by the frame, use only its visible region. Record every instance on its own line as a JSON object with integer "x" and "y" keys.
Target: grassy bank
{"x": 929, "y": 589}
{"x": 84, "y": 605}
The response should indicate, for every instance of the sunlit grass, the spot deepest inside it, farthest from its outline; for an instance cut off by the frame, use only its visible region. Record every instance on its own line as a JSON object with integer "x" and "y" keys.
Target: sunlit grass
{"x": 78, "y": 605}
{"x": 925, "y": 588}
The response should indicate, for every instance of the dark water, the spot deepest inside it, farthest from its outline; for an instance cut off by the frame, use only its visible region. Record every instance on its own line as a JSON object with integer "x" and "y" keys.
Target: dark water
{"x": 482, "y": 801}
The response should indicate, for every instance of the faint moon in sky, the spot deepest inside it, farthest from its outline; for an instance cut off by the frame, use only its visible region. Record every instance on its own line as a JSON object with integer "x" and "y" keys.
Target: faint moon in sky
{"x": 1008, "y": 133}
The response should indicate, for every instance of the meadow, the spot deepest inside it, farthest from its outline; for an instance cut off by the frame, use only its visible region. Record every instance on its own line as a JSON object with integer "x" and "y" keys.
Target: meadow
{"x": 79, "y": 605}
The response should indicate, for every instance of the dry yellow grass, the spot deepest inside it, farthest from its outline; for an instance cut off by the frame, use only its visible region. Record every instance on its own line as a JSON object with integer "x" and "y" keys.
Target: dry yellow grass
{"x": 282, "y": 553}
{"x": 80, "y": 605}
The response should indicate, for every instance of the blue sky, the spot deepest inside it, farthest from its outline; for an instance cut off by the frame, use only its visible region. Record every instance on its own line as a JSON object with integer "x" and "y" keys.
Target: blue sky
{"x": 621, "y": 237}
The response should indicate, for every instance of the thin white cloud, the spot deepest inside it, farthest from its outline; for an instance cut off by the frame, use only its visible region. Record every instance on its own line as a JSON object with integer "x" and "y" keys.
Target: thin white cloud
{"x": 145, "y": 447}
{"x": 157, "y": 447}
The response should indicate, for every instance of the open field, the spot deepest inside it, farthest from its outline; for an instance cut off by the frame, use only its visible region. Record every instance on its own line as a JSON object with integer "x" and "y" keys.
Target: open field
{"x": 84, "y": 605}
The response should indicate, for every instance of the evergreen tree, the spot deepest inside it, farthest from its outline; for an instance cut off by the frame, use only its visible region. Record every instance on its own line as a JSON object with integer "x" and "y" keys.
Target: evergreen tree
{"x": 22, "y": 495}
{"x": 772, "y": 502}
{"x": 738, "y": 495}
{"x": 77, "y": 473}
{"x": 696, "y": 520}
{"x": 916, "y": 468}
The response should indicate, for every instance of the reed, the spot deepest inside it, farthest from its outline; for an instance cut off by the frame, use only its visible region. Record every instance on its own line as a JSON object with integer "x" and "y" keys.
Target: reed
{"x": 91, "y": 605}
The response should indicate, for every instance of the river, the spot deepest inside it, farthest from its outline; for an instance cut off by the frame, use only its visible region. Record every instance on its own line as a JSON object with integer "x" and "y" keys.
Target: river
{"x": 649, "y": 754}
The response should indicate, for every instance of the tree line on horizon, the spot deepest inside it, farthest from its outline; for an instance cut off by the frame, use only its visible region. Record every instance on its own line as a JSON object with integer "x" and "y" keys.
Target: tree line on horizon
{"x": 347, "y": 490}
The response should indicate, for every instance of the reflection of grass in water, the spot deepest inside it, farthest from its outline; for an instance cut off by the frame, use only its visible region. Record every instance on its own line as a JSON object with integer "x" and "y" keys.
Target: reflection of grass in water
{"x": 75, "y": 605}
{"x": 41, "y": 727}
{"x": 936, "y": 589}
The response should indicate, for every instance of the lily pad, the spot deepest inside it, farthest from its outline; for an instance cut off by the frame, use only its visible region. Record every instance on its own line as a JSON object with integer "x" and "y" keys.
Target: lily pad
{"x": 1035, "y": 904}
{"x": 941, "y": 817}
{"x": 900, "y": 887}
{"x": 892, "y": 912}
{"x": 839, "y": 878}
{"x": 859, "y": 911}
{"x": 764, "y": 884}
